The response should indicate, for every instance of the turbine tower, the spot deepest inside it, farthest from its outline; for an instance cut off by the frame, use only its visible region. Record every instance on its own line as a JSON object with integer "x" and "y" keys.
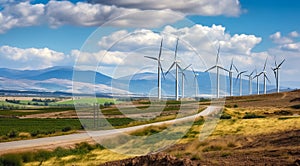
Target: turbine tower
{"x": 276, "y": 72}
{"x": 239, "y": 76}
{"x": 250, "y": 82}
{"x": 176, "y": 64}
{"x": 218, "y": 67}
{"x": 195, "y": 82}
{"x": 183, "y": 78}
{"x": 159, "y": 69}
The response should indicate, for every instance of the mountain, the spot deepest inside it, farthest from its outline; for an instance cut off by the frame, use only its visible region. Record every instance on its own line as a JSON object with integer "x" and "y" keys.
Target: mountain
{"x": 62, "y": 79}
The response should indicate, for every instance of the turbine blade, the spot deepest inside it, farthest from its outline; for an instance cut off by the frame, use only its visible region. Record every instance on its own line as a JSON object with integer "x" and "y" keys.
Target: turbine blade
{"x": 231, "y": 64}
{"x": 218, "y": 52}
{"x": 267, "y": 78}
{"x": 151, "y": 57}
{"x": 265, "y": 64}
{"x": 176, "y": 48}
{"x": 223, "y": 69}
{"x": 243, "y": 71}
{"x": 187, "y": 67}
{"x": 210, "y": 68}
{"x": 235, "y": 68}
{"x": 161, "y": 42}
{"x": 161, "y": 69}
{"x": 281, "y": 63}
{"x": 252, "y": 73}
{"x": 170, "y": 68}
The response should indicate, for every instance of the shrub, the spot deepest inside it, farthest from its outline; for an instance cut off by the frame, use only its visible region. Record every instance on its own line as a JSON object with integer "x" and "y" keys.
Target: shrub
{"x": 11, "y": 160}
{"x": 252, "y": 116}
{"x": 225, "y": 116}
{"x": 66, "y": 129}
{"x": 296, "y": 106}
{"x": 212, "y": 148}
{"x": 235, "y": 106}
{"x": 12, "y": 134}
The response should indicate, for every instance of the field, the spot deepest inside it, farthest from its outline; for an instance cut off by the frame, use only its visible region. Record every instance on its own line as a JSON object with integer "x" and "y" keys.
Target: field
{"x": 253, "y": 130}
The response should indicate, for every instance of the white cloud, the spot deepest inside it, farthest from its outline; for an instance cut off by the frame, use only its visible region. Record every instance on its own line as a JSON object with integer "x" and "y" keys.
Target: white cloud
{"x": 129, "y": 14}
{"x": 58, "y": 13}
{"x": 203, "y": 7}
{"x": 294, "y": 34}
{"x": 20, "y": 15}
{"x": 279, "y": 39}
{"x": 196, "y": 44}
{"x": 291, "y": 47}
{"x": 32, "y": 58}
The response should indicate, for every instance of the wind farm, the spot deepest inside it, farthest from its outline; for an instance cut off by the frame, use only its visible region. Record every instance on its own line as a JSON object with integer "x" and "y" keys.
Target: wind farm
{"x": 154, "y": 83}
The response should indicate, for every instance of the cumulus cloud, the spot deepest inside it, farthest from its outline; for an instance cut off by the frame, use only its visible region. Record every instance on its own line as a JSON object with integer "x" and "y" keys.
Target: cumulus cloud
{"x": 21, "y": 15}
{"x": 203, "y": 7}
{"x": 279, "y": 39}
{"x": 58, "y": 13}
{"x": 196, "y": 44}
{"x": 294, "y": 34}
{"x": 33, "y": 58}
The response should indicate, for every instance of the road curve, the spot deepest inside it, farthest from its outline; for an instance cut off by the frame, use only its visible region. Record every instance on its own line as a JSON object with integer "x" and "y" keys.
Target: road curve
{"x": 71, "y": 139}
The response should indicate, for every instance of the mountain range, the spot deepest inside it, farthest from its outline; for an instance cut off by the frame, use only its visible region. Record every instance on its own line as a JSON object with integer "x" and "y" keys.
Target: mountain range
{"x": 60, "y": 79}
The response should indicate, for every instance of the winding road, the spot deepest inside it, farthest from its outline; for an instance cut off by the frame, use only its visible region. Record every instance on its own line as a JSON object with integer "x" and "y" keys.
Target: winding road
{"x": 71, "y": 139}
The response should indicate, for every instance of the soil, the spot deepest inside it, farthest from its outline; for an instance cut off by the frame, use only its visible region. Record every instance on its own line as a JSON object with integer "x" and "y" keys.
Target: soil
{"x": 158, "y": 159}
{"x": 273, "y": 149}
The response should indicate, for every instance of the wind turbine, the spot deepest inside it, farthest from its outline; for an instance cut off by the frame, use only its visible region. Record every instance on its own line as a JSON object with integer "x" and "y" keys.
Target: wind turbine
{"x": 176, "y": 64}
{"x": 257, "y": 80}
{"x": 159, "y": 69}
{"x": 182, "y": 78}
{"x": 239, "y": 76}
{"x": 264, "y": 72}
{"x": 195, "y": 82}
{"x": 230, "y": 77}
{"x": 218, "y": 67}
{"x": 250, "y": 81}
{"x": 276, "y": 72}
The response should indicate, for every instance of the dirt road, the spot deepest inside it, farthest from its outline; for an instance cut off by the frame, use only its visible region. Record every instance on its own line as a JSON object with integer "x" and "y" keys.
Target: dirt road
{"x": 69, "y": 140}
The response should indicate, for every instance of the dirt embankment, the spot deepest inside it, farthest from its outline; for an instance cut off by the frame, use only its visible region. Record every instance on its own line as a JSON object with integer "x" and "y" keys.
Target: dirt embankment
{"x": 159, "y": 159}
{"x": 281, "y": 148}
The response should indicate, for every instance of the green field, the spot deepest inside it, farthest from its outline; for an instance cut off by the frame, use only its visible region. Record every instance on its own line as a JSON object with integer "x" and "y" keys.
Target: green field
{"x": 86, "y": 101}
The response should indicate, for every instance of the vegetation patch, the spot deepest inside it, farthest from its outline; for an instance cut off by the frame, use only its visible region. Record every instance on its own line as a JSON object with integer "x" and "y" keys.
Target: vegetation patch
{"x": 296, "y": 106}
{"x": 252, "y": 116}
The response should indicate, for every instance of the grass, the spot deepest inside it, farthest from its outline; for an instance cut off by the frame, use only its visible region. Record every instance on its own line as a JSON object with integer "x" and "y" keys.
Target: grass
{"x": 87, "y": 101}
{"x": 61, "y": 156}
{"x": 12, "y": 128}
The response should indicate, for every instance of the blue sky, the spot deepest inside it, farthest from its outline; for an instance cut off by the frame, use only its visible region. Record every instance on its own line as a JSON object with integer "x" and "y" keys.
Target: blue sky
{"x": 40, "y": 34}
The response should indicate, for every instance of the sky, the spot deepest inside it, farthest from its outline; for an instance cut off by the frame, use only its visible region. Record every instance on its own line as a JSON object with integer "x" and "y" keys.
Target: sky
{"x": 116, "y": 35}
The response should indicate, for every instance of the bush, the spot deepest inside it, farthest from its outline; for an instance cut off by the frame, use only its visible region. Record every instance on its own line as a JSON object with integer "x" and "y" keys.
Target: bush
{"x": 11, "y": 160}
{"x": 12, "y": 134}
{"x": 225, "y": 116}
{"x": 235, "y": 106}
{"x": 296, "y": 106}
{"x": 66, "y": 129}
{"x": 212, "y": 148}
{"x": 252, "y": 116}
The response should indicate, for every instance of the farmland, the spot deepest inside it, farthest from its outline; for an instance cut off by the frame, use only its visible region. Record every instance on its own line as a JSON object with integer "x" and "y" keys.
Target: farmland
{"x": 256, "y": 129}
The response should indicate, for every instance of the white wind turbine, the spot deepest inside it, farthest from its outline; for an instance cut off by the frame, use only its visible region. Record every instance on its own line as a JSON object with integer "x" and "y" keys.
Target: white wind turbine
{"x": 264, "y": 72}
{"x": 183, "y": 78}
{"x": 276, "y": 72}
{"x": 176, "y": 63}
{"x": 250, "y": 81}
{"x": 239, "y": 76}
{"x": 195, "y": 82}
{"x": 159, "y": 69}
{"x": 257, "y": 80}
{"x": 230, "y": 77}
{"x": 218, "y": 67}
